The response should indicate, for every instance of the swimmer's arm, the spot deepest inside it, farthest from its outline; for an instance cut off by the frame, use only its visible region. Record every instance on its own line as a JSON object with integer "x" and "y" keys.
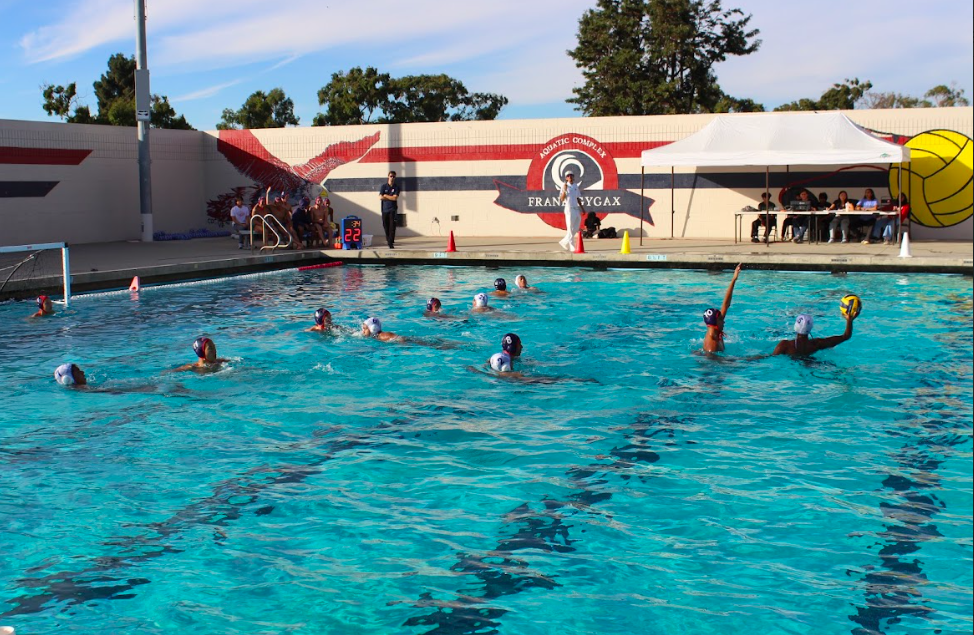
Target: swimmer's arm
{"x": 835, "y": 340}
{"x": 182, "y": 368}
{"x": 730, "y": 292}
{"x": 783, "y": 348}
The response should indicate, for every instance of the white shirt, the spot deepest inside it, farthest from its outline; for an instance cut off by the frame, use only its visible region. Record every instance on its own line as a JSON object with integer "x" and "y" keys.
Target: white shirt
{"x": 240, "y": 214}
{"x": 572, "y": 194}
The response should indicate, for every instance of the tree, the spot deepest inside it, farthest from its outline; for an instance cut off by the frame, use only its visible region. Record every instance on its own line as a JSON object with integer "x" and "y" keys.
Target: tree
{"x": 733, "y": 104}
{"x": 358, "y": 97}
{"x": 947, "y": 96}
{"x": 115, "y": 95}
{"x": 58, "y": 100}
{"x": 430, "y": 98}
{"x": 878, "y": 101}
{"x": 273, "y": 109}
{"x": 842, "y": 96}
{"x": 353, "y": 98}
{"x": 647, "y": 57}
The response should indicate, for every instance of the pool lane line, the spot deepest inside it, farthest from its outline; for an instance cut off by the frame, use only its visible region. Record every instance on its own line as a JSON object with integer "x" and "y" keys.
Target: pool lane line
{"x": 500, "y": 573}
{"x": 894, "y": 590}
{"x": 87, "y": 584}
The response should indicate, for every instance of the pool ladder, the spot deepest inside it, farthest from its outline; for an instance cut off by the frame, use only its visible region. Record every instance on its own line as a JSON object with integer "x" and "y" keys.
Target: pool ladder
{"x": 270, "y": 222}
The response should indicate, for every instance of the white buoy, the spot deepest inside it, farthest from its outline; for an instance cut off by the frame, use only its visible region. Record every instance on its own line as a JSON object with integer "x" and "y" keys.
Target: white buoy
{"x": 7, "y": 630}
{"x": 905, "y": 246}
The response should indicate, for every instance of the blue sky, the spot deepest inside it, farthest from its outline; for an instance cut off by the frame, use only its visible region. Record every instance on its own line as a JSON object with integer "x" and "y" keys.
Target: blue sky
{"x": 207, "y": 56}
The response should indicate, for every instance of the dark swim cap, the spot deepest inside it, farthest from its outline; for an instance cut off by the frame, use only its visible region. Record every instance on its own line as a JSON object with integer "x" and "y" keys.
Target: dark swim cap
{"x": 433, "y": 303}
{"x": 199, "y": 346}
{"x": 710, "y": 317}
{"x": 320, "y": 316}
{"x": 510, "y": 343}
{"x": 41, "y": 299}
{"x": 500, "y": 284}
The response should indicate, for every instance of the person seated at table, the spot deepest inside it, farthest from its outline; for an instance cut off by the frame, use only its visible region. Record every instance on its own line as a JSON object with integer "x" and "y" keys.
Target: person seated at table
{"x": 592, "y": 225}
{"x": 886, "y": 224}
{"x": 840, "y": 204}
{"x": 799, "y": 226}
{"x": 866, "y": 222}
{"x": 764, "y": 220}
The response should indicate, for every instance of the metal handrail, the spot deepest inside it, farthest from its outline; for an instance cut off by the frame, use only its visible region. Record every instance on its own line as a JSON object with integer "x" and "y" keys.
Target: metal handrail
{"x": 266, "y": 224}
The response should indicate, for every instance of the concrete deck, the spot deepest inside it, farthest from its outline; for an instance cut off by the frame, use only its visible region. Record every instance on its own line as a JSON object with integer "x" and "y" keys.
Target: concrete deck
{"x": 112, "y": 265}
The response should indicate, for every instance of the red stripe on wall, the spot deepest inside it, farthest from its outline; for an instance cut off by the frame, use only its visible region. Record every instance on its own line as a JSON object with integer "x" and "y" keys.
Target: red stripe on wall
{"x": 13, "y": 155}
{"x": 508, "y": 152}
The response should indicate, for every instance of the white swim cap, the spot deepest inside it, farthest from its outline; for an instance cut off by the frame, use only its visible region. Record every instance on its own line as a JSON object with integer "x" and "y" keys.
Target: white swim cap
{"x": 501, "y": 362}
{"x": 518, "y": 278}
{"x": 64, "y": 374}
{"x": 480, "y": 299}
{"x": 803, "y": 324}
{"x": 374, "y": 325}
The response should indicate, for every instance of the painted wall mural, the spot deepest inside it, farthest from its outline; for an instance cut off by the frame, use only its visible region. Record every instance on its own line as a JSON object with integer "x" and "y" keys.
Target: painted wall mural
{"x": 938, "y": 179}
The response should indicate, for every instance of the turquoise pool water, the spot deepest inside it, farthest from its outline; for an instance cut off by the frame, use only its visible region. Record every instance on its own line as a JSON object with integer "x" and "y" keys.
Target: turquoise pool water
{"x": 347, "y": 486}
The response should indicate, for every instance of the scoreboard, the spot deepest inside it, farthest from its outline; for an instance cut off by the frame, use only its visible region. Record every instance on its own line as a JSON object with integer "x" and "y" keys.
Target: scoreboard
{"x": 351, "y": 232}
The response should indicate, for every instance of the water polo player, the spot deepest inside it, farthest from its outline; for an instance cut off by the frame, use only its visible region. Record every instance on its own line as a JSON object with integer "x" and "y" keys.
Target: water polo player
{"x": 713, "y": 341}
{"x": 802, "y": 345}
{"x": 205, "y": 350}
{"x": 70, "y": 375}
{"x": 44, "y": 306}
{"x": 500, "y": 288}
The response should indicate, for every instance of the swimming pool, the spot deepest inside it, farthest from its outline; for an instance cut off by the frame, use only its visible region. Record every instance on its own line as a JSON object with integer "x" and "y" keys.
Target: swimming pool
{"x": 341, "y": 485}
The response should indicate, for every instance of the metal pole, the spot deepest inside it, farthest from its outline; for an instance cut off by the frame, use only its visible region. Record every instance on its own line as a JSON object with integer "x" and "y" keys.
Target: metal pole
{"x": 143, "y": 109}
{"x": 672, "y": 203}
{"x": 767, "y": 207}
{"x": 66, "y": 264}
{"x": 642, "y": 188}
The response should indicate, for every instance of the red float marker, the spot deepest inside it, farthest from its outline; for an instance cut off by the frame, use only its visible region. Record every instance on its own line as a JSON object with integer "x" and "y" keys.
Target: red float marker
{"x": 324, "y": 265}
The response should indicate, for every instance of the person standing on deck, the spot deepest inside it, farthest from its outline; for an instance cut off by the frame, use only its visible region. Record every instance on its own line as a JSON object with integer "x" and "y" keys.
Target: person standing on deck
{"x": 389, "y": 195}
{"x": 571, "y": 197}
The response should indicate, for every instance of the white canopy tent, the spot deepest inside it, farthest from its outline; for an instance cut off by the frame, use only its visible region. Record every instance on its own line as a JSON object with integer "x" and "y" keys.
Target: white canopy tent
{"x": 787, "y": 138}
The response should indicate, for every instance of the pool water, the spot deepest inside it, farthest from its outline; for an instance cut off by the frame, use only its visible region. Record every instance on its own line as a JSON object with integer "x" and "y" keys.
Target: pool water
{"x": 335, "y": 484}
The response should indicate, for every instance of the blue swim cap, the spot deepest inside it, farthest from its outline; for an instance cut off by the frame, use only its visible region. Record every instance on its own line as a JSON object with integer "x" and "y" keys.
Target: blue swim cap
{"x": 433, "y": 303}
{"x": 500, "y": 284}
{"x": 199, "y": 346}
{"x": 320, "y": 316}
{"x": 710, "y": 317}
{"x": 511, "y": 344}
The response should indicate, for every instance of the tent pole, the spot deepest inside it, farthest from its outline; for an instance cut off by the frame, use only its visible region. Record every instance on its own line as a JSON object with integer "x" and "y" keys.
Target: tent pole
{"x": 767, "y": 206}
{"x": 672, "y": 202}
{"x": 899, "y": 195}
{"x": 642, "y": 202}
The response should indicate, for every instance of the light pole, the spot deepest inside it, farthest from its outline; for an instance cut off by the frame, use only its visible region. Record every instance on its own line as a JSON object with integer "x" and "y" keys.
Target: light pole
{"x": 143, "y": 111}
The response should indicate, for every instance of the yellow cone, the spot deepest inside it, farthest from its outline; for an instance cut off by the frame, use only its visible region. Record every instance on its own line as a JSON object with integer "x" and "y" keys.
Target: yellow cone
{"x": 625, "y": 244}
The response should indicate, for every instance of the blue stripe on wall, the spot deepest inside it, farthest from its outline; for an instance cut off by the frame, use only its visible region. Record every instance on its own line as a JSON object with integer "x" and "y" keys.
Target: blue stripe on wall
{"x": 26, "y": 189}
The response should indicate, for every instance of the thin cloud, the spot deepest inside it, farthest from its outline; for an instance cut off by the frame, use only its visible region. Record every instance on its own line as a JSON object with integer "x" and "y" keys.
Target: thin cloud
{"x": 206, "y": 92}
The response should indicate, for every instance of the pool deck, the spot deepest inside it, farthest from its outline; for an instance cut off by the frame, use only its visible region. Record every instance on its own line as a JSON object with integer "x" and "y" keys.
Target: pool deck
{"x": 112, "y": 265}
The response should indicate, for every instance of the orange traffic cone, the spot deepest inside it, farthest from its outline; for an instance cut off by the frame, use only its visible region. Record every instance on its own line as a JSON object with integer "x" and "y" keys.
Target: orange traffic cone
{"x": 135, "y": 284}
{"x": 580, "y": 246}
{"x": 452, "y": 245}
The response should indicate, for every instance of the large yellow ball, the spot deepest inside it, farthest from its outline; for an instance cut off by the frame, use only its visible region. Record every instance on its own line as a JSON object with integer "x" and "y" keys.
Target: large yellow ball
{"x": 938, "y": 178}
{"x": 850, "y": 304}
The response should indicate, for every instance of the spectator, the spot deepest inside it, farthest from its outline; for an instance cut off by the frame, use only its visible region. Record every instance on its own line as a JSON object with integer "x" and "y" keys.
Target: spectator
{"x": 592, "y": 225}
{"x": 240, "y": 217}
{"x": 322, "y": 217}
{"x": 301, "y": 222}
{"x": 764, "y": 220}
{"x": 866, "y": 222}
{"x": 280, "y": 210}
{"x": 840, "y": 204}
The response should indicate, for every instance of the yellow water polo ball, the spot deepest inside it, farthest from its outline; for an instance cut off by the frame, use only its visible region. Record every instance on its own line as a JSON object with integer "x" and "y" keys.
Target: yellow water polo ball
{"x": 938, "y": 178}
{"x": 850, "y": 304}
